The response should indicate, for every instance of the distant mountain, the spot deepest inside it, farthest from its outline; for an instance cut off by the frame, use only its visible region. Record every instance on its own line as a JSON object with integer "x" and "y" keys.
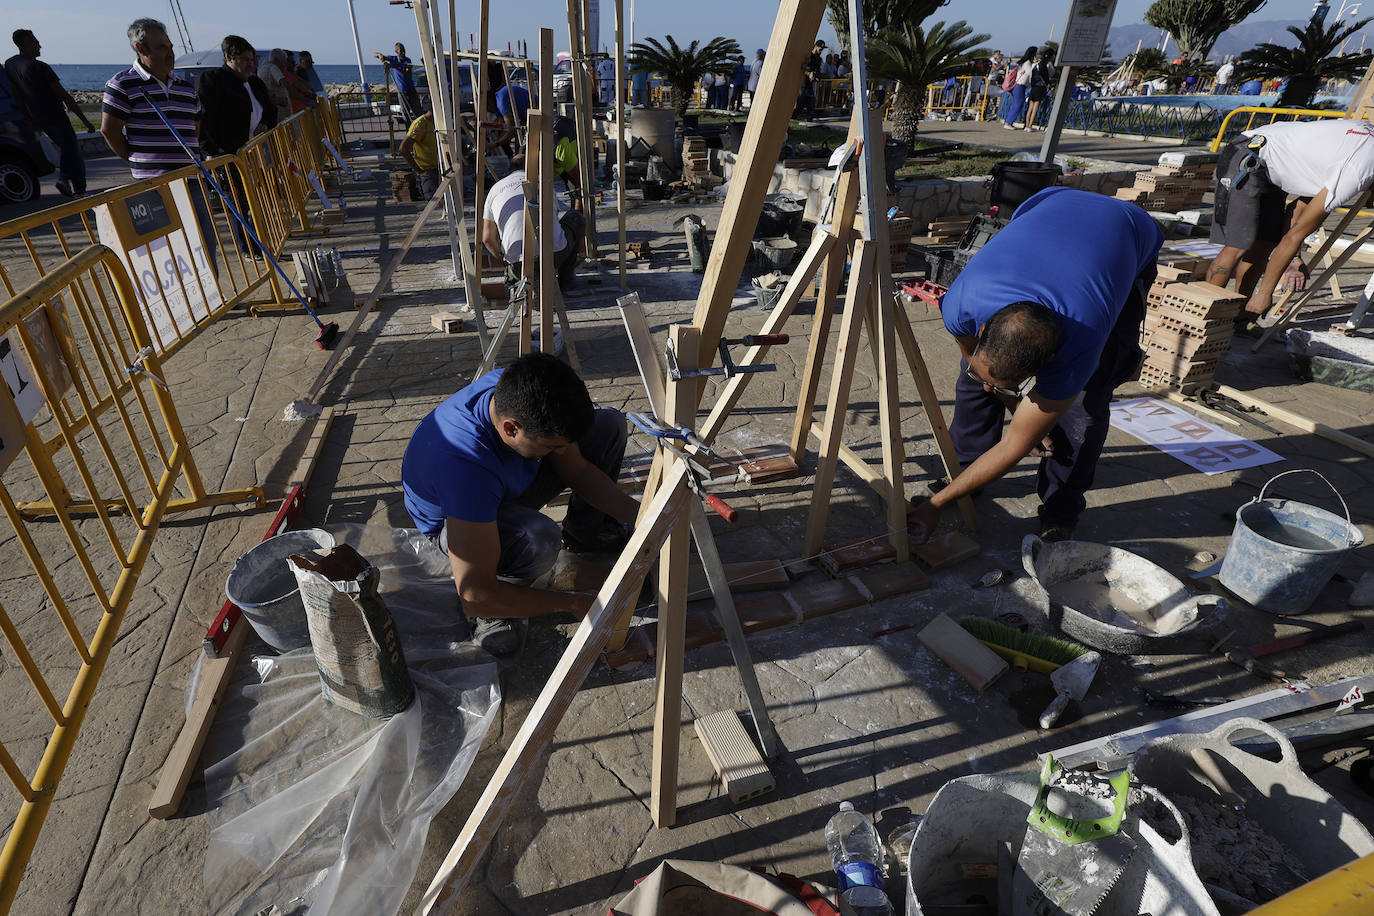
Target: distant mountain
{"x": 1123, "y": 38}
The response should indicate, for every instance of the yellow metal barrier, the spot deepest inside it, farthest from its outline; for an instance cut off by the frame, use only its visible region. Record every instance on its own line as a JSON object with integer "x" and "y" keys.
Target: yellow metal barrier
{"x": 969, "y": 93}
{"x": 85, "y": 422}
{"x": 1268, "y": 116}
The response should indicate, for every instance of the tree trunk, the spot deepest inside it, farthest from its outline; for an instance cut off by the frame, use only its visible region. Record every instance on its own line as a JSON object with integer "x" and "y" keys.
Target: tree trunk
{"x": 907, "y": 109}
{"x": 1298, "y": 91}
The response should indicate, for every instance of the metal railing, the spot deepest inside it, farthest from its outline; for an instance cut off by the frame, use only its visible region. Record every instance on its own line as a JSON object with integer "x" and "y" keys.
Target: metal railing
{"x": 961, "y": 93}
{"x": 90, "y": 414}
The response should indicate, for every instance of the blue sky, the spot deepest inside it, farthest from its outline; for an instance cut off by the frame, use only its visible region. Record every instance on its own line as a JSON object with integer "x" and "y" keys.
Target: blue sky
{"x": 92, "y": 31}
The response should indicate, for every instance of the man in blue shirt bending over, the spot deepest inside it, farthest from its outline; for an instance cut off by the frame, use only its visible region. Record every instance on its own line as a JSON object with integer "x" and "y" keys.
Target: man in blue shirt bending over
{"x": 481, "y": 465}
{"x": 1047, "y": 315}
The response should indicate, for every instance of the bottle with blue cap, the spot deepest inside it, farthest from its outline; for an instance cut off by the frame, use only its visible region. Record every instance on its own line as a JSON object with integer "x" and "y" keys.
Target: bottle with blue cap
{"x": 855, "y": 854}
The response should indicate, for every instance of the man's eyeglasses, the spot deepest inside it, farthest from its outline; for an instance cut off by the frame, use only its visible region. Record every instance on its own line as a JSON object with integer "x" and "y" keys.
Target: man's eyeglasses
{"x": 1019, "y": 391}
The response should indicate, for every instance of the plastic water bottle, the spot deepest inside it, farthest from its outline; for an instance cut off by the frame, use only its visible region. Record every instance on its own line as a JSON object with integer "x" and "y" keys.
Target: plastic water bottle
{"x": 855, "y": 854}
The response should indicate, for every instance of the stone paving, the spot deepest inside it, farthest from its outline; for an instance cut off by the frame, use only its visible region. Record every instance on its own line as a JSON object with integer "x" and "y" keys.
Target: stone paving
{"x": 872, "y": 718}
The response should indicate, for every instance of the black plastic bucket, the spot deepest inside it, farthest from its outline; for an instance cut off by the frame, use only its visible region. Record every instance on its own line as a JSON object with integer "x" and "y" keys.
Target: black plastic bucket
{"x": 1013, "y": 183}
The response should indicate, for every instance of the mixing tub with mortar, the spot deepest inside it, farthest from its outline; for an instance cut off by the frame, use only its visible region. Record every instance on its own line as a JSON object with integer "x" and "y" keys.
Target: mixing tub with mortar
{"x": 954, "y": 853}
{"x": 1118, "y": 601}
{"x": 1207, "y": 772}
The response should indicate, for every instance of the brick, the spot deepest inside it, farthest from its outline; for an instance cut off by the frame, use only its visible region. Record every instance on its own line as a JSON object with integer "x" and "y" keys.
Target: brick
{"x": 852, "y": 554}
{"x": 447, "y": 322}
{"x": 765, "y": 611}
{"x": 893, "y": 579}
{"x": 822, "y": 598}
{"x": 946, "y": 550}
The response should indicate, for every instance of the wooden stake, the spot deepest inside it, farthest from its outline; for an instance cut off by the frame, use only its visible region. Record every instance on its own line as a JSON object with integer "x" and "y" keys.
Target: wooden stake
{"x": 479, "y": 104}
{"x": 672, "y": 606}
{"x": 536, "y": 733}
{"x": 528, "y": 249}
{"x": 548, "y": 204}
{"x": 620, "y": 130}
{"x": 576, "y": 30}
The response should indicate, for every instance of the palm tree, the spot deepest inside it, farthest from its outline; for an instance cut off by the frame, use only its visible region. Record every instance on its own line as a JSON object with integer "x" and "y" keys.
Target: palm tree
{"x": 682, "y": 67}
{"x": 917, "y": 57}
{"x": 1314, "y": 59}
{"x": 878, "y": 15}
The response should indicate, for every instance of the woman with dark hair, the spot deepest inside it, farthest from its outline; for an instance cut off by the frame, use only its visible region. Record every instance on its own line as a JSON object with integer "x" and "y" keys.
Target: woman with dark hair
{"x": 1038, "y": 88}
{"x": 1020, "y": 85}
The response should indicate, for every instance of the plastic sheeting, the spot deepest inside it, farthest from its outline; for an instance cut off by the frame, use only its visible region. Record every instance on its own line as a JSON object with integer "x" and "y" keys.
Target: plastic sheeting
{"x": 318, "y": 810}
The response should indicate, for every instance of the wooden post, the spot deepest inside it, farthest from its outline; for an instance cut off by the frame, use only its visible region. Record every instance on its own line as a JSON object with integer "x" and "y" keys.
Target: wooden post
{"x": 585, "y": 155}
{"x": 680, "y": 405}
{"x": 548, "y": 204}
{"x": 479, "y": 106}
{"x": 576, "y": 43}
{"x": 528, "y": 250}
{"x": 620, "y": 107}
{"x": 794, "y": 30}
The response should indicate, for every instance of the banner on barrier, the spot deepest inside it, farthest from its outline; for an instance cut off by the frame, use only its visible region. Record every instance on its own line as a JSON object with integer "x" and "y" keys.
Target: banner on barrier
{"x": 172, "y": 272}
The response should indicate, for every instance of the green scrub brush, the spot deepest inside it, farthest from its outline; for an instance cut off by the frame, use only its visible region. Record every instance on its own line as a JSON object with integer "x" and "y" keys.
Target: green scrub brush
{"x": 1023, "y": 650}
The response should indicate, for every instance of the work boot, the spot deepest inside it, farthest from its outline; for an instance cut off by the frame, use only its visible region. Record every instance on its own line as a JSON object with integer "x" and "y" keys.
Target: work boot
{"x": 498, "y": 636}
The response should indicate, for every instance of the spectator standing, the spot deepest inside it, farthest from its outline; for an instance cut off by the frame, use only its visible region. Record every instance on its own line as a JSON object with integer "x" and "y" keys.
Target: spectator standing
{"x": 639, "y": 87}
{"x": 997, "y": 72}
{"x": 299, "y": 93}
{"x": 1038, "y": 88}
{"x": 755, "y": 71}
{"x": 811, "y": 72}
{"x": 1019, "y": 85}
{"x": 270, "y": 72}
{"x": 737, "y": 84}
{"x": 131, "y": 126}
{"x": 402, "y": 78}
{"x": 1224, "y": 74}
{"x": 306, "y": 71}
{"x": 420, "y": 150}
{"x": 234, "y": 108}
{"x": 41, "y": 93}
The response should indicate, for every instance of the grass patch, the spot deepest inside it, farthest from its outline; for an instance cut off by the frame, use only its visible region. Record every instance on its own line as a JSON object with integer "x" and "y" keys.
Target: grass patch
{"x": 965, "y": 162}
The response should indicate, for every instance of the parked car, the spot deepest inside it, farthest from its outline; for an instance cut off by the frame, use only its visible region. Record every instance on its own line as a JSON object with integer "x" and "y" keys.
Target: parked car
{"x": 22, "y": 162}
{"x": 562, "y": 78}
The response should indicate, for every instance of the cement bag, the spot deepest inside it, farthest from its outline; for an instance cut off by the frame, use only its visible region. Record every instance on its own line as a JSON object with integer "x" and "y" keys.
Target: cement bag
{"x": 358, "y": 653}
{"x": 682, "y": 888}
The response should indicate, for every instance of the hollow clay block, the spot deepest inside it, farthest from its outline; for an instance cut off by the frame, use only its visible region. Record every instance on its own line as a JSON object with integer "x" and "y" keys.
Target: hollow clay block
{"x": 974, "y": 662}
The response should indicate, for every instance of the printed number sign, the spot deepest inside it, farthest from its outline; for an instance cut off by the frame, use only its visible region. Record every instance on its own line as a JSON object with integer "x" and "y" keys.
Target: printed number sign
{"x": 1197, "y": 443}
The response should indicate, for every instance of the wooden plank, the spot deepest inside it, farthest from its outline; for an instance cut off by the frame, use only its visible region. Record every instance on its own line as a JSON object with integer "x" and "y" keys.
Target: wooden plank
{"x": 855, "y": 462}
{"x": 528, "y": 251}
{"x": 536, "y": 732}
{"x": 215, "y": 673}
{"x": 548, "y": 204}
{"x": 794, "y": 30}
{"x": 679, "y": 407}
{"x": 935, "y": 416}
{"x": 811, "y": 261}
{"x": 856, "y": 303}
{"x": 620, "y": 131}
{"x": 1287, "y": 317}
{"x": 576, "y": 43}
{"x": 480, "y": 143}
{"x": 737, "y": 762}
{"x": 1298, "y": 421}
{"x": 974, "y": 662}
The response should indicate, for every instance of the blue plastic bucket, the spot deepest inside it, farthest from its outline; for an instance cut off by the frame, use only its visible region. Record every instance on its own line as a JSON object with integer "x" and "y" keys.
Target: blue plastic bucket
{"x": 1283, "y": 552}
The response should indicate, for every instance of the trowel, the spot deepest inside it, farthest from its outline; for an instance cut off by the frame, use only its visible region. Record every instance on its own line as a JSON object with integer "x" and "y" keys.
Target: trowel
{"x": 1071, "y": 681}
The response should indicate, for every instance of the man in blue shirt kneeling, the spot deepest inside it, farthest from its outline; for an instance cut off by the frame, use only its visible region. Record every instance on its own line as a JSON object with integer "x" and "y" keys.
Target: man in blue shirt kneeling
{"x": 483, "y": 463}
{"x": 1047, "y": 316}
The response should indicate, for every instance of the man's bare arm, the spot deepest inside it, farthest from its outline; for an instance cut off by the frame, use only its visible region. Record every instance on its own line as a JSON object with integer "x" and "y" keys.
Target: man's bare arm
{"x": 1307, "y": 218}
{"x": 112, "y": 129}
{"x": 474, "y": 553}
{"x": 491, "y": 237}
{"x": 72, "y": 105}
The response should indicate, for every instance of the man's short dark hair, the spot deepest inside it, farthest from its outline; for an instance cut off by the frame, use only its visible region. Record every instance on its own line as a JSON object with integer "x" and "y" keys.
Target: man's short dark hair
{"x": 21, "y": 36}
{"x": 234, "y": 45}
{"x": 1019, "y": 340}
{"x": 545, "y": 396}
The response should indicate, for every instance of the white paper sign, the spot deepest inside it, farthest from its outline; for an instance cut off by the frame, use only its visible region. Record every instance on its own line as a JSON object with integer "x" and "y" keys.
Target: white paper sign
{"x": 174, "y": 260}
{"x": 1353, "y": 698}
{"x": 1202, "y": 446}
{"x": 18, "y": 378}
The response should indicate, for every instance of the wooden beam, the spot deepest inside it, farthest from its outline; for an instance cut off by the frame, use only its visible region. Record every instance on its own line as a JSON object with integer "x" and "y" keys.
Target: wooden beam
{"x": 531, "y": 743}
{"x": 548, "y": 204}
{"x": 794, "y": 30}
{"x": 855, "y": 305}
{"x": 620, "y": 107}
{"x": 852, "y": 460}
{"x": 1298, "y": 421}
{"x": 1313, "y": 285}
{"x": 576, "y": 44}
{"x": 479, "y": 104}
{"x": 672, "y": 607}
{"x": 528, "y": 248}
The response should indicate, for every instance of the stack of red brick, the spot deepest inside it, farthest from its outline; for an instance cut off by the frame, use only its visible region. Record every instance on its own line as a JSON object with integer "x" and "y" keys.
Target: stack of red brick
{"x": 1170, "y": 188}
{"x": 696, "y": 164}
{"x": 1188, "y": 325}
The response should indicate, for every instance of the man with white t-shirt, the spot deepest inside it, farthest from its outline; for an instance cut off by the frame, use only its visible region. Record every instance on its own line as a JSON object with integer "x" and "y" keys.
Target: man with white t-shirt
{"x": 1324, "y": 164}
{"x": 503, "y": 227}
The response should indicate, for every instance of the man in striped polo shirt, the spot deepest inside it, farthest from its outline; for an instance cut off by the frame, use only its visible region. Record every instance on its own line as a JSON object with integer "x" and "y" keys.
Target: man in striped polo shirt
{"x": 136, "y": 134}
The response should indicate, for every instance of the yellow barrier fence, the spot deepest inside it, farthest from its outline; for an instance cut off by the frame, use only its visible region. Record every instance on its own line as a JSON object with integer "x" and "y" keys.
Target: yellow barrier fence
{"x": 963, "y": 93}
{"x": 89, "y": 415}
{"x": 1240, "y": 120}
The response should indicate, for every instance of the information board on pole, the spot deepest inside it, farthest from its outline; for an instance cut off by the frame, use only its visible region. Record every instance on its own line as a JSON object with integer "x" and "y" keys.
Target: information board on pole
{"x": 1085, "y": 33}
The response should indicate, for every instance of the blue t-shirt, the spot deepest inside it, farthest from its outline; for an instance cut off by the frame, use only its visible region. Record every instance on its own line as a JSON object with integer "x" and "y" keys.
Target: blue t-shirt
{"x": 400, "y": 73}
{"x": 456, "y": 464}
{"x": 1076, "y": 253}
{"x": 522, "y": 102}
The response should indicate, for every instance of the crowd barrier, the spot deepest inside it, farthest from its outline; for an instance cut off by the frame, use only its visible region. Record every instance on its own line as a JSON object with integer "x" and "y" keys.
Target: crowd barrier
{"x": 89, "y": 414}
{"x": 961, "y": 93}
{"x": 1239, "y": 120}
